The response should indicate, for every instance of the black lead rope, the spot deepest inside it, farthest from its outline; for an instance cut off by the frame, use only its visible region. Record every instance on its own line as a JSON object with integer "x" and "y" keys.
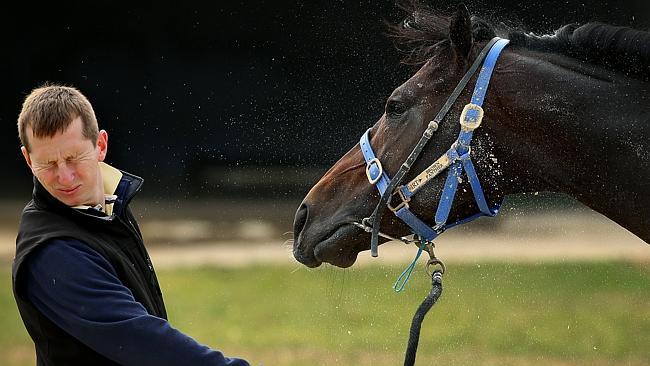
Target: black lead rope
{"x": 420, "y": 313}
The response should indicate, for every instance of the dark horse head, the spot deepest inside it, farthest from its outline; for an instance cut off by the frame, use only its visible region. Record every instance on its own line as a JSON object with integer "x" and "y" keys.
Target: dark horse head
{"x": 569, "y": 112}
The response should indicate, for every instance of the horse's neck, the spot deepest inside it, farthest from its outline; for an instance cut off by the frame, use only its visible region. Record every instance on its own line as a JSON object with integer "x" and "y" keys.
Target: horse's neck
{"x": 581, "y": 130}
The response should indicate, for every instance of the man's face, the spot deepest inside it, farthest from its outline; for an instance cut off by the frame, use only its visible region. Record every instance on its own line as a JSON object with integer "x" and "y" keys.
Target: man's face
{"x": 67, "y": 164}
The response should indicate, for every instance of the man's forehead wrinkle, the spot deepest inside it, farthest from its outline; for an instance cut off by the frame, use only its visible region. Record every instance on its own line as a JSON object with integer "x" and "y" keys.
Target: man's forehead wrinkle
{"x": 57, "y": 152}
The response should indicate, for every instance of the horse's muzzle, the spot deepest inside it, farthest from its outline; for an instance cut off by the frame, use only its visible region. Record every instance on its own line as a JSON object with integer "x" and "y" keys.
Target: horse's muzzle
{"x": 301, "y": 252}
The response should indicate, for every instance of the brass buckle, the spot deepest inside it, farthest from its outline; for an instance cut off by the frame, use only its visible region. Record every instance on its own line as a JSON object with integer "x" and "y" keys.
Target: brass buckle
{"x": 404, "y": 201}
{"x": 469, "y": 123}
{"x": 381, "y": 170}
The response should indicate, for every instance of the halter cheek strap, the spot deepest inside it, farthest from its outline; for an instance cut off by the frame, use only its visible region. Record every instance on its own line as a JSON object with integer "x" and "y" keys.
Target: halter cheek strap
{"x": 376, "y": 173}
{"x": 457, "y": 159}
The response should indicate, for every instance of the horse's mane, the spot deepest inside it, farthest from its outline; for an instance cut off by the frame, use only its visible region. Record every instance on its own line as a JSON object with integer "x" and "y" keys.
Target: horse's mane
{"x": 616, "y": 48}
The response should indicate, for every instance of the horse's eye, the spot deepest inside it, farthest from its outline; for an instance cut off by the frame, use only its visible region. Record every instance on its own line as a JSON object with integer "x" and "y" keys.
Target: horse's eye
{"x": 395, "y": 108}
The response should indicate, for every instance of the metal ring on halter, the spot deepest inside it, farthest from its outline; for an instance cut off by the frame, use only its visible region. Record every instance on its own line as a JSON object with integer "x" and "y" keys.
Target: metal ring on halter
{"x": 367, "y": 222}
{"x": 456, "y": 156}
{"x": 379, "y": 174}
{"x": 439, "y": 228}
{"x": 435, "y": 262}
{"x": 404, "y": 201}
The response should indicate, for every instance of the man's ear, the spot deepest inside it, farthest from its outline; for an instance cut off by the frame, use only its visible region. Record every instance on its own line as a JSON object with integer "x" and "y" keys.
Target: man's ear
{"x": 28, "y": 160}
{"x": 102, "y": 144}
{"x": 460, "y": 30}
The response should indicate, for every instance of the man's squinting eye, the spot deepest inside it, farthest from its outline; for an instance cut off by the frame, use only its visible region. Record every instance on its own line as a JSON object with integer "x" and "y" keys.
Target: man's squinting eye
{"x": 38, "y": 166}
{"x": 73, "y": 158}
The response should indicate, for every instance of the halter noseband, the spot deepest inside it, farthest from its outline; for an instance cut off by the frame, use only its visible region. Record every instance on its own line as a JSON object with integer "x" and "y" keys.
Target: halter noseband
{"x": 457, "y": 159}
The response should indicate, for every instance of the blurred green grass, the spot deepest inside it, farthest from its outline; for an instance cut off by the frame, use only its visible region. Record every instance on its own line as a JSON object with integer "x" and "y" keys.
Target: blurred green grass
{"x": 489, "y": 314}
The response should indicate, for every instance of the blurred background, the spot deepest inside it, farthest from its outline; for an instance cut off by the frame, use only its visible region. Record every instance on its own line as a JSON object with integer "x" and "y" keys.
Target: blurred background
{"x": 230, "y": 111}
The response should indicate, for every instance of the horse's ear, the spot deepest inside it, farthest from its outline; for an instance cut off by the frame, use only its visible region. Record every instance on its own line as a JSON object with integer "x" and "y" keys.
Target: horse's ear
{"x": 460, "y": 29}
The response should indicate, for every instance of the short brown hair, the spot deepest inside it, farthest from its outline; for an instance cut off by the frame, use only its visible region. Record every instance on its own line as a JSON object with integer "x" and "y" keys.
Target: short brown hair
{"x": 51, "y": 108}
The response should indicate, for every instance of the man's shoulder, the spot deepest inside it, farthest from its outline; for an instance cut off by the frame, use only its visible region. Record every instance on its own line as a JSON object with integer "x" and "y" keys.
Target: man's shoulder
{"x": 60, "y": 251}
{"x": 30, "y": 208}
{"x": 36, "y": 218}
{"x": 39, "y": 226}
{"x": 59, "y": 256}
{"x": 65, "y": 266}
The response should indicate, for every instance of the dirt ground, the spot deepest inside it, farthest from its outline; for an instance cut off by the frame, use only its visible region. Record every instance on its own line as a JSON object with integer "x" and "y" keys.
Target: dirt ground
{"x": 253, "y": 233}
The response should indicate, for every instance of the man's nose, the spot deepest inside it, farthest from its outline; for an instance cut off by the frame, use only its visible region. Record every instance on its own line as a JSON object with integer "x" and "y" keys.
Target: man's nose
{"x": 66, "y": 174}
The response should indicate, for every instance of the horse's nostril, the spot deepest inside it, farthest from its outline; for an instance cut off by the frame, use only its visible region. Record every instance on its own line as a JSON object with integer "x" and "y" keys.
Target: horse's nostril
{"x": 300, "y": 220}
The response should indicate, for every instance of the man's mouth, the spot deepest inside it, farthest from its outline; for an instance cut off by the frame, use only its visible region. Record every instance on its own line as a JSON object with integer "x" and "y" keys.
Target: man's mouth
{"x": 69, "y": 191}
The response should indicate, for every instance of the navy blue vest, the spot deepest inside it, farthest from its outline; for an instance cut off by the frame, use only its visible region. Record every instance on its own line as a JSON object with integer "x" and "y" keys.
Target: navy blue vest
{"x": 117, "y": 238}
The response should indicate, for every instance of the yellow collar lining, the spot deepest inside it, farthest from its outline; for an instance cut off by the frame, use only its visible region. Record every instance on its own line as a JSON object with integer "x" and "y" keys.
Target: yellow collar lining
{"x": 111, "y": 178}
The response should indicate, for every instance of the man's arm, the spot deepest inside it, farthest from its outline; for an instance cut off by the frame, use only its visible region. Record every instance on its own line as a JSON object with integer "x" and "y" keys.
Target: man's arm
{"x": 78, "y": 290}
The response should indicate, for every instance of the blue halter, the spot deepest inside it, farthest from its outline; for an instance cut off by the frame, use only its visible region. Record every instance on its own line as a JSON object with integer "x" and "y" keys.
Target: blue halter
{"x": 457, "y": 159}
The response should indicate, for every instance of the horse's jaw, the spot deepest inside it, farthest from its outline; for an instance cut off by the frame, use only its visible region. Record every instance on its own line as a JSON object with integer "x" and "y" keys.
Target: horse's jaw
{"x": 338, "y": 247}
